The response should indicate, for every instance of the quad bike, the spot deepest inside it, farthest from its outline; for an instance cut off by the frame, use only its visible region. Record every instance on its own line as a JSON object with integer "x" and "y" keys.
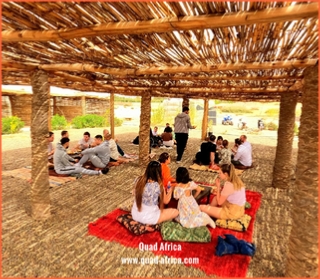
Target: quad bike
{"x": 227, "y": 120}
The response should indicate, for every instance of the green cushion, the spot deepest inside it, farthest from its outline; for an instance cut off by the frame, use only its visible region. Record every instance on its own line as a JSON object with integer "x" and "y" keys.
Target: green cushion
{"x": 173, "y": 231}
{"x": 247, "y": 205}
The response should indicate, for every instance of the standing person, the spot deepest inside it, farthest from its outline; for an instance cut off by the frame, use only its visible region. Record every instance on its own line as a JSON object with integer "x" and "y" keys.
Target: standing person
{"x": 229, "y": 204}
{"x": 190, "y": 215}
{"x": 147, "y": 207}
{"x": 63, "y": 162}
{"x": 182, "y": 125}
{"x": 98, "y": 155}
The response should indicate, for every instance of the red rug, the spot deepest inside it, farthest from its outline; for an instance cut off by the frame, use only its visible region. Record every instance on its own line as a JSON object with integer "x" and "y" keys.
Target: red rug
{"x": 108, "y": 228}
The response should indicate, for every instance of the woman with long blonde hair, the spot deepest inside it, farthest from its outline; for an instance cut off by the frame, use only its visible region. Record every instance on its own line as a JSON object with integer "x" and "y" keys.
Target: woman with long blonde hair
{"x": 228, "y": 203}
{"x": 150, "y": 197}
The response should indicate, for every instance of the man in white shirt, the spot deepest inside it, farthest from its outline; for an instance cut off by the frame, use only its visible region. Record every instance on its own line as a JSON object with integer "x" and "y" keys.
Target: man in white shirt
{"x": 85, "y": 142}
{"x": 243, "y": 156}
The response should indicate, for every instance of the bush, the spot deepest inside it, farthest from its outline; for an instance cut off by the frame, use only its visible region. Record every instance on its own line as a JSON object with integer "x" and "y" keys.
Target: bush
{"x": 11, "y": 125}
{"x": 58, "y": 122}
{"x": 157, "y": 115}
{"x": 271, "y": 126}
{"x": 272, "y": 112}
{"x": 237, "y": 110}
{"x": 88, "y": 121}
{"x": 117, "y": 121}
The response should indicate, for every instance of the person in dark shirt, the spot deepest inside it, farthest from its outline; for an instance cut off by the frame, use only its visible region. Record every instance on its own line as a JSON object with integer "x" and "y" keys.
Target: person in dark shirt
{"x": 207, "y": 152}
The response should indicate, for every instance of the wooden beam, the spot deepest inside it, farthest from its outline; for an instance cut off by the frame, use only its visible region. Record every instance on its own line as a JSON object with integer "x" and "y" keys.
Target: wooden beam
{"x": 83, "y": 105}
{"x": 77, "y": 67}
{"x": 289, "y": 13}
{"x": 160, "y": 78}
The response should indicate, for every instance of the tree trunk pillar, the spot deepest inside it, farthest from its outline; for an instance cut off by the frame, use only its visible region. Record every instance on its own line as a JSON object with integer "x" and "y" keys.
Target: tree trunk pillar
{"x": 283, "y": 165}
{"x": 185, "y": 102}
{"x": 205, "y": 119}
{"x": 55, "y": 109}
{"x": 40, "y": 197}
{"x": 112, "y": 115}
{"x": 302, "y": 256}
{"x": 144, "y": 131}
{"x": 83, "y": 105}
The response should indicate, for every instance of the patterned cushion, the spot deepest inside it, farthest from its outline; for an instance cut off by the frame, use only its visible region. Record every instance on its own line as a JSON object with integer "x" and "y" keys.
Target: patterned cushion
{"x": 134, "y": 226}
{"x": 240, "y": 224}
{"x": 173, "y": 231}
{"x": 127, "y": 204}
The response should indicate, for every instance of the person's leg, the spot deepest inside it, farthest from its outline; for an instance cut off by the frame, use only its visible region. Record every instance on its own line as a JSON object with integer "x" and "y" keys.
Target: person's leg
{"x": 211, "y": 210}
{"x": 179, "y": 146}
{"x": 182, "y": 145}
{"x": 96, "y": 161}
{"x": 168, "y": 214}
{"x": 121, "y": 152}
{"x": 83, "y": 159}
{"x": 236, "y": 163}
{"x": 76, "y": 169}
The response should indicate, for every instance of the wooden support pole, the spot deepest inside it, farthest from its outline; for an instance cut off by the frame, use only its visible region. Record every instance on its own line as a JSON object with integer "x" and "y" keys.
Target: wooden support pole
{"x": 302, "y": 256}
{"x": 283, "y": 166}
{"x": 205, "y": 119}
{"x": 83, "y": 105}
{"x": 40, "y": 196}
{"x": 144, "y": 131}
{"x": 112, "y": 115}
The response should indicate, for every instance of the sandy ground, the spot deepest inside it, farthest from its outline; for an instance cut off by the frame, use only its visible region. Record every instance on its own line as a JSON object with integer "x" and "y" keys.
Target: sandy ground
{"x": 60, "y": 246}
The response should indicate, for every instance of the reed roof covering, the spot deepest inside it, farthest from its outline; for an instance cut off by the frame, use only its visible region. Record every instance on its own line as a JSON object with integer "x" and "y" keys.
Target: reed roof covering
{"x": 221, "y": 50}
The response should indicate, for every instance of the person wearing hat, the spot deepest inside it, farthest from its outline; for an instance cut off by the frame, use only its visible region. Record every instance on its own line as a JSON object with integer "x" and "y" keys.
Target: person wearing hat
{"x": 182, "y": 125}
{"x": 64, "y": 164}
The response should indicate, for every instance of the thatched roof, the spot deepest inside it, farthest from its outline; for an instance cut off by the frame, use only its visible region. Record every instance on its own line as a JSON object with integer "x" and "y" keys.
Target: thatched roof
{"x": 221, "y": 50}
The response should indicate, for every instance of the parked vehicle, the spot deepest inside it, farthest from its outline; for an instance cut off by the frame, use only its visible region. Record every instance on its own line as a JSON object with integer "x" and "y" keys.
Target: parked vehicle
{"x": 227, "y": 120}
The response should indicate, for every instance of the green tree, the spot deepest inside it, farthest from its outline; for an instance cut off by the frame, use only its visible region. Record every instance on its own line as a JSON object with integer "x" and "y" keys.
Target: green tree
{"x": 157, "y": 115}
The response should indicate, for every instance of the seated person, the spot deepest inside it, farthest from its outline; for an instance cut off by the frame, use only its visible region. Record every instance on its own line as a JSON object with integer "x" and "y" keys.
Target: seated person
{"x": 230, "y": 202}
{"x": 190, "y": 215}
{"x": 218, "y": 146}
{"x": 150, "y": 197}
{"x": 207, "y": 152}
{"x": 121, "y": 152}
{"x": 98, "y": 155}
{"x": 167, "y": 125}
{"x": 63, "y": 162}
{"x": 156, "y": 138}
{"x": 64, "y": 134}
{"x": 114, "y": 154}
{"x": 243, "y": 157}
{"x": 85, "y": 142}
{"x": 50, "y": 139}
{"x": 225, "y": 153}
{"x": 167, "y": 138}
{"x": 237, "y": 143}
{"x": 165, "y": 160}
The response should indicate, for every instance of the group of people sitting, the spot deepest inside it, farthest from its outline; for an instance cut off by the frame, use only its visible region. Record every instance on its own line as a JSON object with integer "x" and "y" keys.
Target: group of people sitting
{"x": 101, "y": 151}
{"x": 156, "y": 188}
{"x": 163, "y": 140}
{"x": 216, "y": 153}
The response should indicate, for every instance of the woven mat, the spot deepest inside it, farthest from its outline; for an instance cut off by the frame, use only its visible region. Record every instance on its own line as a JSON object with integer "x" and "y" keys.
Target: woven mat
{"x": 25, "y": 173}
{"x": 108, "y": 229}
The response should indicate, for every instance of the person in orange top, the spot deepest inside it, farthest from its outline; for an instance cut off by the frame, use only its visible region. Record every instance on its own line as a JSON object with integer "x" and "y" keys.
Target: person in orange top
{"x": 165, "y": 160}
